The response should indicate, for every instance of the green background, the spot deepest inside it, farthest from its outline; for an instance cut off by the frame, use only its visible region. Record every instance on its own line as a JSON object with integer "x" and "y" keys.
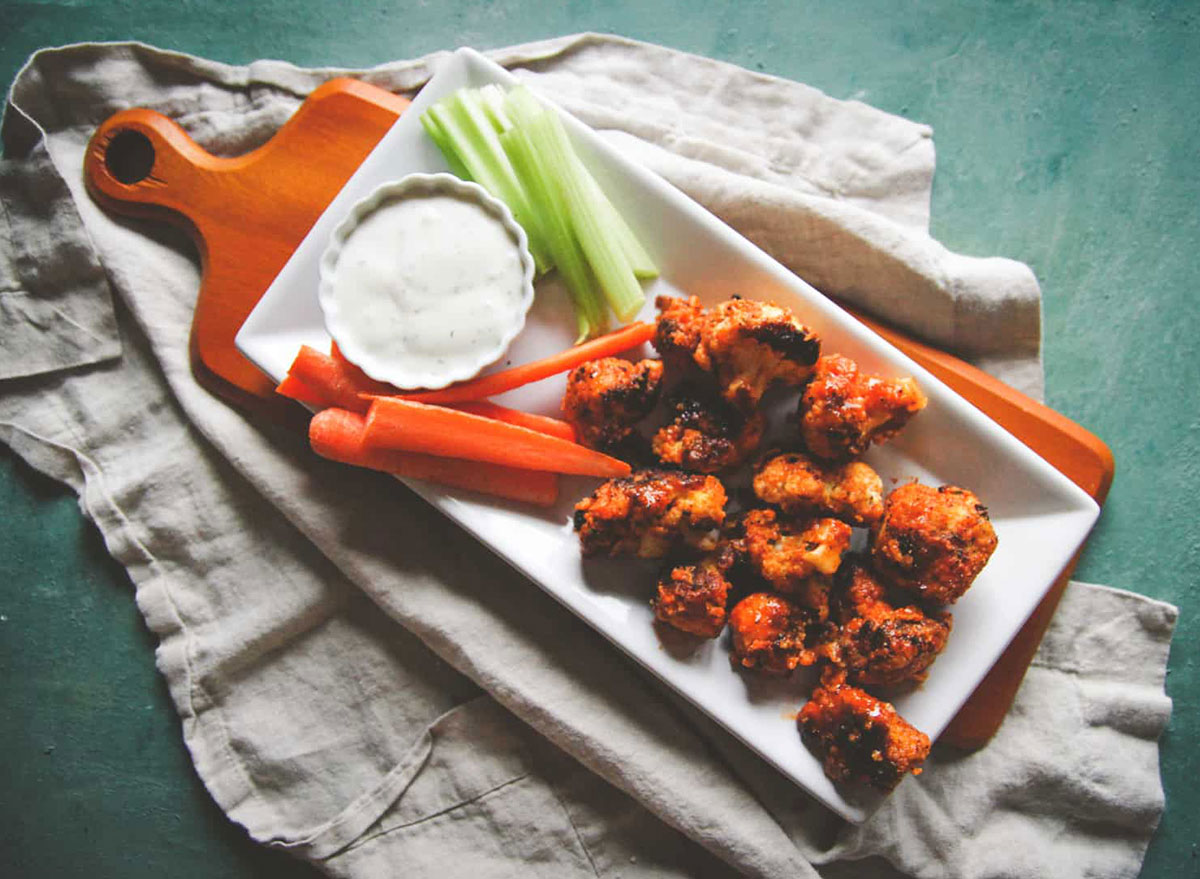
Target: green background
{"x": 1067, "y": 137}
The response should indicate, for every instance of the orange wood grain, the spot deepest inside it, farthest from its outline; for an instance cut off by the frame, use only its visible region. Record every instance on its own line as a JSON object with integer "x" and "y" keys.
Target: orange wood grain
{"x": 247, "y": 214}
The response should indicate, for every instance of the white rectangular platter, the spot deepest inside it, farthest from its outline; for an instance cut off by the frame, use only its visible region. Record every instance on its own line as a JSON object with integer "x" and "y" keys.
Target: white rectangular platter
{"x": 1041, "y": 518}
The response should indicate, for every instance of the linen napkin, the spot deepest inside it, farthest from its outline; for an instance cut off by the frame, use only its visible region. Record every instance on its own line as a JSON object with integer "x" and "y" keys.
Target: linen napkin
{"x": 359, "y": 681}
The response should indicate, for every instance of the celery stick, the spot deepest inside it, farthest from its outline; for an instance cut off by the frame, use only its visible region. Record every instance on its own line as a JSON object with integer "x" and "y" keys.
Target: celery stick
{"x": 467, "y": 108}
{"x": 442, "y": 142}
{"x": 464, "y": 145}
{"x": 560, "y": 239}
{"x": 591, "y": 222}
{"x": 522, "y": 107}
{"x": 639, "y": 260}
{"x": 491, "y": 96}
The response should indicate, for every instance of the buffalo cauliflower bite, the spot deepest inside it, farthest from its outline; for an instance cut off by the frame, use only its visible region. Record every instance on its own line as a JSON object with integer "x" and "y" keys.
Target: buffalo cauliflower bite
{"x": 932, "y": 541}
{"x": 744, "y": 344}
{"x": 800, "y": 486}
{"x": 605, "y": 398}
{"x": 882, "y": 645}
{"x": 843, "y": 410}
{"x": 693, "y": 597}
{"x": 796, "y": 558}
{"x": 771, "y": 634}
{"x": 707, "y": 434}
{"x": 860, "y": 738}
{"x": 649, "y": 513}
{"x": 678, "y": 329}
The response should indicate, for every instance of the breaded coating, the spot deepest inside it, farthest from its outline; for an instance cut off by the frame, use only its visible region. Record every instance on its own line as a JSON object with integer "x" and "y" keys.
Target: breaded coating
{"x": 770, "y": 633}
{"x": 605, "y": 398}
{"x": 749, "y": 345}
{"x": 651, "y": 512}
{"x": 932, "y": 541}
{"x": 857, "y": 589}
{"x": 693, "y": 597}
{"x": 678, "y": 329}
{"x": 843, "y": 410}
{"x": 707, "y": 434}
{"x": 800, "y": 486}
{"x": 860, "y": 738}
{"x": 882, "y": 645}
{"x": 796, "y": 558}
{"x": 741, "y": 573}
{"x": 744, "y": 344}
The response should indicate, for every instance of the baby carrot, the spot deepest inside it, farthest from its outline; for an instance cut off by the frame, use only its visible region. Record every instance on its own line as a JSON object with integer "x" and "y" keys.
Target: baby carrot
{"x": 356, "y": 375}
{"x": 335, "y": 381}
{"x": 337, "y": 434}
{"x": 338, "y": 381}
{"x": 393, "y": 423}
{"x": 294, "y": 389}
{"x": 327, "y": 378}
{"x": 487, "y": 409}
{"x": 541, "y": 423}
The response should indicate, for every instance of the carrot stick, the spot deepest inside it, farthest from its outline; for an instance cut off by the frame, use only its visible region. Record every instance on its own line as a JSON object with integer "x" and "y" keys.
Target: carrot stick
{"x": 487, "y": 409}
{"x": 336, "y": 353}
{"x": 541, "y": 423}
{"x": 499, "y": 382}
{"x": 393, "y": 423}
{"x": 356, "y": 374}
{"x": 297, "y": 390}
{"x": 334, "y": 375}
{"x": 332, "y": 380}
{"x": 337, "y": 434}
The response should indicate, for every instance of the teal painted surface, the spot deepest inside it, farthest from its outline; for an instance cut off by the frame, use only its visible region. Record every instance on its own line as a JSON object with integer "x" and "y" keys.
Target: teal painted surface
{"x": 1066, "y": 136}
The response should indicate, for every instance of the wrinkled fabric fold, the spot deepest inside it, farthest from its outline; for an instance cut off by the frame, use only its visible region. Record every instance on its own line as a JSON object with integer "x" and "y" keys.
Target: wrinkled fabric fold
{"x": 55, "y": 306}
{"x": 473, "y": 713}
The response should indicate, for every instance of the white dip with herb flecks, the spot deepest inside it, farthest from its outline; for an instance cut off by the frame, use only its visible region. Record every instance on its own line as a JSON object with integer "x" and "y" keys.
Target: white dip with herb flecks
{"x": 429, "y": 281}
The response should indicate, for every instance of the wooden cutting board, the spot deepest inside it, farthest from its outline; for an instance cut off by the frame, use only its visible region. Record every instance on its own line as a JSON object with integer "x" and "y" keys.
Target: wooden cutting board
{"x": 247, "y": 214}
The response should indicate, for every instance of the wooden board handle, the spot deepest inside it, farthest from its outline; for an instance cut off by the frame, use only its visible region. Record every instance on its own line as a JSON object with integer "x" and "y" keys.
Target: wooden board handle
{"x": 245, "y": 214}
{"x": 136, "y": 162}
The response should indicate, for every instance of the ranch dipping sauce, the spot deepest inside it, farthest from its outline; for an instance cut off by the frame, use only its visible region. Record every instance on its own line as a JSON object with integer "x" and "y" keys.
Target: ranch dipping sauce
{"x": 429, "y": 286}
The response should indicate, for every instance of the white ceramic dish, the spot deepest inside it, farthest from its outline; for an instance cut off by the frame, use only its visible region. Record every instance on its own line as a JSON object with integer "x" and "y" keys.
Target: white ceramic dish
{"x": 417, "y": 371}
{"x": 1041, "y": 517}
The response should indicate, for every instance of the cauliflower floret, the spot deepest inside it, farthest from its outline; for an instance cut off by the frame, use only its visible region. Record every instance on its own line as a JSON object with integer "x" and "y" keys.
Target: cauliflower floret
{"x": 879, "y": 644}
{"x": 693, "y": 597}
{"x": 678, "y": 330}
{"x": 861, "y": 738}
{"x": 796, "y": 558}
{"x": 651, "y": 512}
{"x": 800, "y": 486}
{"x": 744, "y": 344}
{"x": 932, "y": 541}
{"x": 843, "y": 410}
{"x": 605, "y": 398}
{"x": 771, "y": 633}
{"x": 707, "y": 435}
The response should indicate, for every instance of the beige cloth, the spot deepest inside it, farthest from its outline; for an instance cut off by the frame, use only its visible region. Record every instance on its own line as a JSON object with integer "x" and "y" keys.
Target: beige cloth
{"x": 474, "y": 727}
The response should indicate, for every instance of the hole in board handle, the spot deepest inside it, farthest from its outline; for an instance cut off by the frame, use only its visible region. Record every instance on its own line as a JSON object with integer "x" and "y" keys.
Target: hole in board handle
{"x": 130, "y": 156}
